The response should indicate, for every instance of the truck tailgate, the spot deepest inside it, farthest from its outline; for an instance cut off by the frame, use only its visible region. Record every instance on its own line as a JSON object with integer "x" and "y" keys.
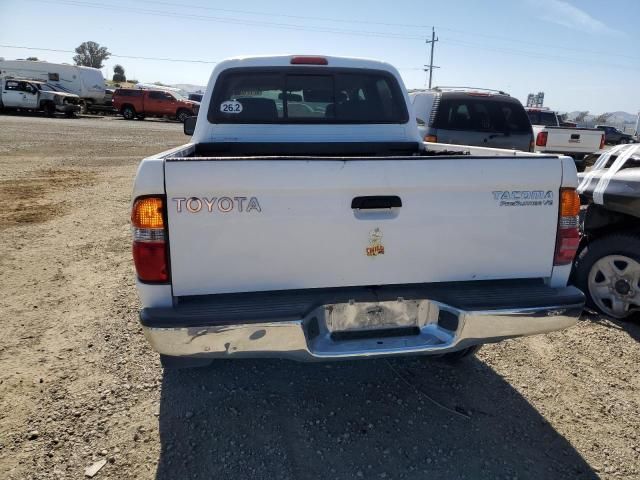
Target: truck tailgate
{"x": 241, "y": 225}
{"x": 573, "y": 140}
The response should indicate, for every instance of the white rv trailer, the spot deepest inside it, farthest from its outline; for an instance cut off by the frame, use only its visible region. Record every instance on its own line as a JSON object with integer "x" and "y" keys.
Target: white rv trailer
{"x": 87, "y": 83}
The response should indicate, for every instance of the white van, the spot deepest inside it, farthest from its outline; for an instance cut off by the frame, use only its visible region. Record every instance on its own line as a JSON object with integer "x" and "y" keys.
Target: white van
{"x": 87, "y": 83}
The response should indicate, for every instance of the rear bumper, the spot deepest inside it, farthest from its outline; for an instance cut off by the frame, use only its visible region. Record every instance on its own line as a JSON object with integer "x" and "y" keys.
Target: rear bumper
{"x": 578, "y": 157}
{"x": 195, "y": 330}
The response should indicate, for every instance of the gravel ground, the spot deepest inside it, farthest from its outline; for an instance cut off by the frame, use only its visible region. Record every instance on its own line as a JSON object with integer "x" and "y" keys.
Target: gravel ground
{"x": 80, "y": 387}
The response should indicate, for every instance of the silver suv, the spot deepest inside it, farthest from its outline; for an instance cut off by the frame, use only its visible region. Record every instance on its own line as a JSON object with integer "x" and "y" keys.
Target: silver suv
{"x": 465, "y": 116}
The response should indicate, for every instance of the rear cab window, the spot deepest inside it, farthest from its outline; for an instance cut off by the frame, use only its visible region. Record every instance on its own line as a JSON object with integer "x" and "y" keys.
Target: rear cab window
{"x": 158, "y": 95}
{"x": 128, "y": 93}
{"x": 482, "y": 114}
{"x": 307, "y": 95}
{"x": 548, "y": 119}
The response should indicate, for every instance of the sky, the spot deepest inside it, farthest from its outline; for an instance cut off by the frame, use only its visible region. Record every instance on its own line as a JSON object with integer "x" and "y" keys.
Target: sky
{"x": 584, "y": 54}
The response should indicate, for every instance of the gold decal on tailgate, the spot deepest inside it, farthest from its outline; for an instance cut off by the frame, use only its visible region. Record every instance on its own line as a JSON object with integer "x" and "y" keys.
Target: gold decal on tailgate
{"x": 375, "y": 243}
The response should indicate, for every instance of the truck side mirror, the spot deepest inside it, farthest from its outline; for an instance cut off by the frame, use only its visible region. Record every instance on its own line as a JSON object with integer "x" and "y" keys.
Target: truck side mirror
{"x": 189, "y": 125}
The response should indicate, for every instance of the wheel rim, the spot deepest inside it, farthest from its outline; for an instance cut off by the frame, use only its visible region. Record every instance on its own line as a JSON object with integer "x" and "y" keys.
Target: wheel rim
{"x": 128, "y": 113}
{"x": 614, "y": 285}
{"x": 182, "y": 117}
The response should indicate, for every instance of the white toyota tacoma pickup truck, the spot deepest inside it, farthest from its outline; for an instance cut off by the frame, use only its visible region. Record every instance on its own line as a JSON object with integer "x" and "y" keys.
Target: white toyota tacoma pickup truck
{"x": 307, "y": 220}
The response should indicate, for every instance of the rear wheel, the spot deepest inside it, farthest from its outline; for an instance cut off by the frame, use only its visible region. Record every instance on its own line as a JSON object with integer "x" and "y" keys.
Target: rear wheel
{"x": 623, "y": 141}
{"x": 128, "y": 112}
{"x": 608, "y": 272}
{"x": 182, "y": 115}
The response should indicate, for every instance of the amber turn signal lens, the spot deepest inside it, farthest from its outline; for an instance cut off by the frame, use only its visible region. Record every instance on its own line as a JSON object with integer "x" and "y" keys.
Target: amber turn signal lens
{"x": 569, "y": 202}
{"x": 147, "y": 213}
{"x": 431, "y": 138}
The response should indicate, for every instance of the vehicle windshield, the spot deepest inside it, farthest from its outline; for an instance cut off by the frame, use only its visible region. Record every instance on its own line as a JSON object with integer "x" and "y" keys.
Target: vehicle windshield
{"x": 307, "y": 95}
{"x": 179, "y": 96}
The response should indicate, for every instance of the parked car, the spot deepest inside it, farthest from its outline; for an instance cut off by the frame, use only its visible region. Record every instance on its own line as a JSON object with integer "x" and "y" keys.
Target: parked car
{"x": 86, "y": 82}
{"x": 22, "y": 94}
{"x": 551, "y": 137}
{"x": 607, "y": 268}
{"x": 613, "y": 136}
{"x": 484, "y": 118}
{"x": 307, "y": 219}
{"x": 136, "y": 103}
{"x": 105, "y": 105}
{"x": 196, "y": 97}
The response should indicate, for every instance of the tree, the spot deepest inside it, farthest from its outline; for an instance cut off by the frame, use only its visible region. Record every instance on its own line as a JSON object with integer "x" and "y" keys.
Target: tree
{"x": 603, "y": 117}
{"x": 581, "y": 116}
{"x": 563, "y": 117}
{"x": 118, "y": 74}
{"x": 32, "y": 59}
{"x": 91, "y": 54}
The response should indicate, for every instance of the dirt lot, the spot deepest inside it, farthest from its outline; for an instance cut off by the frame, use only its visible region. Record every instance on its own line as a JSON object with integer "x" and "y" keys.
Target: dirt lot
{"x": 78, "y": 383}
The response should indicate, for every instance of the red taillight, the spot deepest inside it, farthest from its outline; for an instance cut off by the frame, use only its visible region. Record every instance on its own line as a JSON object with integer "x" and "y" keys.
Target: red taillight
{"x": 601, "y": 141}
{"x": 149, "y": 246}
{"x": 150, "y": 259}
{"x": 431, "y": 138}
{"x": 541, "y": 139}
{"x": 568, "y": 236}
{"x": 309, "y": 61}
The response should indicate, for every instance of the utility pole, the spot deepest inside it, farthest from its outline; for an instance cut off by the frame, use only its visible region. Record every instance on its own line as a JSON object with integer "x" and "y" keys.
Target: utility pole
{"x": 431, "y": 66}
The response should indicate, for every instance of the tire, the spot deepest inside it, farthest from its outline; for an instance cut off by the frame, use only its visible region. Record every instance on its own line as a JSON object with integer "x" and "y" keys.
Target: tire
{"x": 182, "y": 115}
{"x": 607, "y": 270}
{"x": 141, "y": 117}
{"x": 454, "y": 357}
{"x": 178, "y": 363}
{"x": 623, "y": 141}
{"x": 128, "y": 112}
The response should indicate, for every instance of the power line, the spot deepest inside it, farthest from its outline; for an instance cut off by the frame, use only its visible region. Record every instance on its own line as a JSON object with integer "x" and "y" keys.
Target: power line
{"x": 537, "y": 55}
{"x": 161, "y": 59}
{"x": 283, "y": 15}
{"x": 389, "y": 24}
{"x": 227, "y": 20}
{"x": 112, "y": 55}
{"x": 235, "y": 21}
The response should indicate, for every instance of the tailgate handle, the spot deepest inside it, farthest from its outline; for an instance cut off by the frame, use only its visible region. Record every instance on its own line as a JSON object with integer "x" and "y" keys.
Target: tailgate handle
{"x": 575, "y": 136}
{"x": 376, "y": 202}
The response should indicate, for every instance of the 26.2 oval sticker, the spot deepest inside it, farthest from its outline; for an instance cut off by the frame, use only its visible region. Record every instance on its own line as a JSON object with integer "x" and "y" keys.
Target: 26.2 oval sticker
{"x": 231, "y": 106}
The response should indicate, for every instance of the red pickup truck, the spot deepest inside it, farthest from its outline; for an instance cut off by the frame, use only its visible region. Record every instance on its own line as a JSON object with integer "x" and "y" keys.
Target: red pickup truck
{"x": 135, "y": 103}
